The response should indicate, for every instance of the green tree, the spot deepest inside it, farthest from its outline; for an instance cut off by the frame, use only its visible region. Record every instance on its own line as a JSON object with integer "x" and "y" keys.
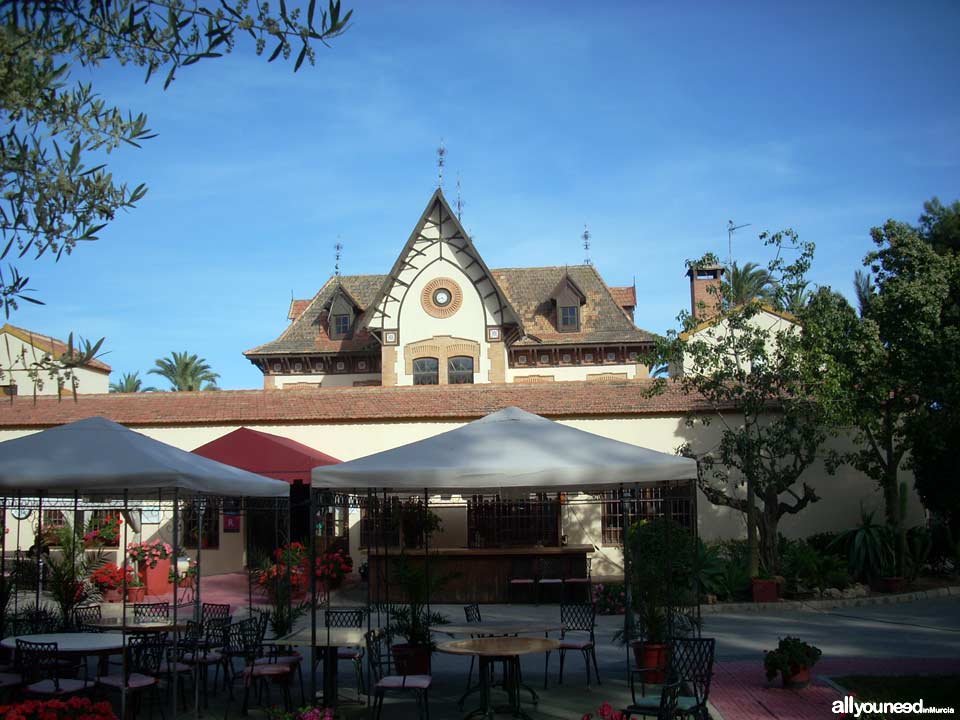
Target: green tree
{"x": 934, "y": 433}
{"x": 889, "y": 356}
{"x": 746, "y": 284}
{"x": 185, "y": 372}
{"x": 130, "y": 383}
{"x": 55, "y": 188}
{"x": 763, "y": 389}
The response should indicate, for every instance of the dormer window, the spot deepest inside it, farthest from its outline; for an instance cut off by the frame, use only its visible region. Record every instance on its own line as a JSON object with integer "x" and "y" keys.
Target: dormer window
{"x": 340, "y": 326}
{"x": 569, "y": 318}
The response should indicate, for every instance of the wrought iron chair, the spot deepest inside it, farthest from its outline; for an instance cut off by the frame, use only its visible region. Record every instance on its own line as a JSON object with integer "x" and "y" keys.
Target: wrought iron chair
{"x": 86, "y": 617}
{"x": 244, "y": 640}
{"x": 580, "y": 582}
{"x": 666, "y": 704}
{"x": 211, "y": 611}
{"x": 550, "y": 574}
{"x": 348, "y": 619}
{"x": 142, "y": 671}
{"x": 201, "y": 648}
{"x": 419, "y": 685}
{"x": 39, "y": 667}
{"x": 282, "y": 654}
{"x": 522, "y": 575}
{"x": 151, "y": 612}
{"x": 579, "y": 618}
{"x": 691, "y": 664}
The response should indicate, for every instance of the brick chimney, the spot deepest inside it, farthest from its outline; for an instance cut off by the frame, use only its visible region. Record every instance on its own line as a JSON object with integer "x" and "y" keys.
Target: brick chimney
{"x": 702, "y": 278}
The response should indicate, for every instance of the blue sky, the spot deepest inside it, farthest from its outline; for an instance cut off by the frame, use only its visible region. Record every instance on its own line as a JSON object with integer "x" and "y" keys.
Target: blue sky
{"x": 653, "y": 123}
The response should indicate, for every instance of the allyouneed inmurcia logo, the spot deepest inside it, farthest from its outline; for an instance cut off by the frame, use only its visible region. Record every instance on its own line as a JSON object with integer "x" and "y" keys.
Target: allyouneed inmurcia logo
{"x": 852, "y": 708}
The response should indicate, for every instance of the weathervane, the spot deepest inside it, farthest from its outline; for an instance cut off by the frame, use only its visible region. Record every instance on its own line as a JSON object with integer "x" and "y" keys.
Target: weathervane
{"x": 459, "y": 201}
{"x": 338, "y": 250}
{"x": 586, "y": 246}
{"x": 441, "y": 160}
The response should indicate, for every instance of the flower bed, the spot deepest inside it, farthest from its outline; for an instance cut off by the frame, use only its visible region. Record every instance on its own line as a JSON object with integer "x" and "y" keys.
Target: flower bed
{"x": 76, "y": 708}
{"x": 606, "y": 712}
{"x": 610, "y": 598}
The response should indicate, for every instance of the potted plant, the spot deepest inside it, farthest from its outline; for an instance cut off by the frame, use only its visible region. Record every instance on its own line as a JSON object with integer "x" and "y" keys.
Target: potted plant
{"x": 108, "y": 579}
{"x": 153, "y": 564}
{"x": 764, "y": 588}
{"x": 68, "y": 573}
{"x": 187, "y": 576}
{"x": 103, "y": 532}
{"x": 332, "y": 568}
{"x": 412, "y": 621}
{"x": 661, "y": 554}
{"x": 792, "y": 660}
{"x": 418, "y": 523}
{"x": 135, "y": 589}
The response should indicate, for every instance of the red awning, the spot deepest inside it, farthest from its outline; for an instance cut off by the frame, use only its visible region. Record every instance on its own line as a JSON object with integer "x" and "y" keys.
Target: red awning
{"x": 265, "y": 454}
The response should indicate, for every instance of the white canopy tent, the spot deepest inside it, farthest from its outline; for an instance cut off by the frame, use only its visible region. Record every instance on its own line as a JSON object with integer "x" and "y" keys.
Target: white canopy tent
{"x": 97, "y": 455}
{"x": 509, "y": 449}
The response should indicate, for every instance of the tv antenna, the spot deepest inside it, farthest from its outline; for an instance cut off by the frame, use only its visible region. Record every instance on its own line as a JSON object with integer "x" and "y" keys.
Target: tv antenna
{"x": 441, "y": 161}
{"x": 731, "y": 228}
{"x": 586, "y": 246}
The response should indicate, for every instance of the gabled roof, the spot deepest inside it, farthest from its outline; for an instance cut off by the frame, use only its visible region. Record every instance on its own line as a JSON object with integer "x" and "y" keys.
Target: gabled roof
{"x": 764, "y": 307}
{"x": 308, "y": 334}
{"x": 266, "y": 454}
{"x": 625, "y": 297}
{"x": 572, "y": 398}
{"x": 296, "y": 307}
{"x": 602, "y": 319}
{"x": 439, "y": 202}
{"x": 47, "y": 344}
{"x": 567, "y": 282}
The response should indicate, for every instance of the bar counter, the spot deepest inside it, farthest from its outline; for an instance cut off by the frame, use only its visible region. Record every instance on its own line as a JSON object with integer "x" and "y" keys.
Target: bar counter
{"x": 482, "y": 575}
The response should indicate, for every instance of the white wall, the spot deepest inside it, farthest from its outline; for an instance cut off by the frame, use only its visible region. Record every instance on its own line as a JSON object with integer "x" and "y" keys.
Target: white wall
{"x": 570, "y": 372}
{"x": 332, "y": 380}
{"x": 763, "y": 320}
{"x": 16, "y": 355}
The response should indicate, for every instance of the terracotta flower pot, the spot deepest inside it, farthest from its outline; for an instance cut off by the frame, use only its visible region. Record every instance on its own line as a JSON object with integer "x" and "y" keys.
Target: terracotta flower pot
{"x": 111, "y": 595}
{"x": 135, "y": 594}
{"x": 651, "y": 655}
{"x": 411, "y": 659}
{"x": 764, "y": 590}
{"x": 156, "y": 580}
{"x": 797, "y": 678}
{"x": 889, "y": 585}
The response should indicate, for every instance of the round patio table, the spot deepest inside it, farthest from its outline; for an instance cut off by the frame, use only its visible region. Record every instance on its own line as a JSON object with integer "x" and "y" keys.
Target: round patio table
{"x": 494, "y": 628}
{"x": 158, "y": 626}
{"x": 328, "y": 640}
{"x": 81, "y": 644}
{"x": 501, "y": 649}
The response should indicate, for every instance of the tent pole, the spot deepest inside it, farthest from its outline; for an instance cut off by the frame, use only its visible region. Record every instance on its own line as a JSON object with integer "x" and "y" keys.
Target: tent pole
{"x": 249, "y": 545}
{"x": 426, "y": 555}
{"x": 174, "y": 676}
{"x": 123, "y": 617}
{"x": 39, "y": 547}
{"x": 200, "y": 514}
{"x": 369, "y": 565}
{"x": 628, "y": 627}
{"x": 312, "y": 525}
{"x": 3, "y": 563}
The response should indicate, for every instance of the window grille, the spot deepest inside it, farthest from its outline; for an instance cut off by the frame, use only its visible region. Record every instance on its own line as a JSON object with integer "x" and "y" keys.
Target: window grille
{"x": 210, "y": 531}
{"x": 496, "y": 522}
{"x": 645, "y": 503}
{"x": 426, "y": 371}
{"x": 380, "y": 523}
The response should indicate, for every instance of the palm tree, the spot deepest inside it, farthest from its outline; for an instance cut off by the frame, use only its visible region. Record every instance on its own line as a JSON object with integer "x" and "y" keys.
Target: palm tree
{"x": 795, "y": 298}
{"x": 864, "y": 290}
{"x": 186, "y": 372}
{"x": 746, "y": 284}
{"x": 130, "y": 383}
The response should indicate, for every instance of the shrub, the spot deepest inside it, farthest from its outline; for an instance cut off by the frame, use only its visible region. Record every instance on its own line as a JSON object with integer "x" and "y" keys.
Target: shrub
{"x": 825, "y": 543}
{"x": 108, "y": 577}
{"x": 149, "y": 553}
{"x": 75, "y": 708}
{"x": 792, "y": 654}
{"x": 610, "y": 598}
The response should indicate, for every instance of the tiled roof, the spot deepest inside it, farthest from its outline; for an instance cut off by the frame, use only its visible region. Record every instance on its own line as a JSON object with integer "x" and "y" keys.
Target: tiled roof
{"x": 297, "y": 307}
{"x": 528, "y": 290}
{"x": 625, "y": 297}
{"x": 47, "y": 344}
{"x": 307, "y": 334}
{"x": 602, "y": 319}
{"x": 229, "y": 407}
{"x": 713, "y": 320}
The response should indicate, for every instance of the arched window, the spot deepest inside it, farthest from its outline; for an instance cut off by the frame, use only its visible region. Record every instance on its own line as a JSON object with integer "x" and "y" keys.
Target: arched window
{"x": 426, "y": 371}
{"x": 460, "y": 370}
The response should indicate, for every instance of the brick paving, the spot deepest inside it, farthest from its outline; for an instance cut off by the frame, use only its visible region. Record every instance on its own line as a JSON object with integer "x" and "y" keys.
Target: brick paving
{"x": 741, "y": 692}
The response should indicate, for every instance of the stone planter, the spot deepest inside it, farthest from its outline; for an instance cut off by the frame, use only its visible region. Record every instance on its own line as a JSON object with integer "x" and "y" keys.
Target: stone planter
{"x": 411, "y": 659}
{"x": 764, "y": 590}
{"x": 156, "y": 580}
{"x": 890, "y": 585}
{"x": 653, "y": 658}
{"x": 797, "y": 679}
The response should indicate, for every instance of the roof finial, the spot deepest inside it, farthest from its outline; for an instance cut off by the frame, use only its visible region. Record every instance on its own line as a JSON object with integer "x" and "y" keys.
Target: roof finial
{"x": 338, "y": 253}
{"x": 441, "y": 160}
{"x": 459, "y": 201}
{"x": 586, "y": 246}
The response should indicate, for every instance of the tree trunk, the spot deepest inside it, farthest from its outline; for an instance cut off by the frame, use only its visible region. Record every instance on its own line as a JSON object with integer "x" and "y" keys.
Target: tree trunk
{"x": 753, "y": 559}
{"x": 769, "y": 523}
